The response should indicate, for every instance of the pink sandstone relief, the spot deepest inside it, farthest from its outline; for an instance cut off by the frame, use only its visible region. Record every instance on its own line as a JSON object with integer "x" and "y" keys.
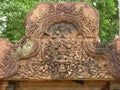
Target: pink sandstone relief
{"x": 61, "y": 42}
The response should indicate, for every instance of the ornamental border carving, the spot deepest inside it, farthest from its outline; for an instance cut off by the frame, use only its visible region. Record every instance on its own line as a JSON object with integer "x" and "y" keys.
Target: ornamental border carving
{"x": 62, "y": 55}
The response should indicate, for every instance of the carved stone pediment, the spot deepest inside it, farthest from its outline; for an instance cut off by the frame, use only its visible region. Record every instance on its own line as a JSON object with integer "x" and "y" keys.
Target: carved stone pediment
{"x": 61, "y": 42}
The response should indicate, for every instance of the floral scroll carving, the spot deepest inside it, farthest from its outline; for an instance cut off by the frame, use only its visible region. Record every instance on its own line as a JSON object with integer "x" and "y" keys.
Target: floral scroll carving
{"x": 61, "y": 42}
{"x": 64, "y": 12}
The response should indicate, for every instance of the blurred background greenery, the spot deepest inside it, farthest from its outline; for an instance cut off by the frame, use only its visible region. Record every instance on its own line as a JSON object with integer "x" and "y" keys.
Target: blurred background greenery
{"x": 13, "y": 15}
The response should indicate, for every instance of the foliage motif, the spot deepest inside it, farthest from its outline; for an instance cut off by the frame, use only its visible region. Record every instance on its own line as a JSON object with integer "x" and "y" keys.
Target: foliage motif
{"x": 13, "y": 13}
{"x": 56, "y": 50}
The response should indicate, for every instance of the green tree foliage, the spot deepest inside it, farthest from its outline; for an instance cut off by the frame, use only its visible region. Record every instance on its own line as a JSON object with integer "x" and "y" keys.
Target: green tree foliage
{"x": 13, "y": 13}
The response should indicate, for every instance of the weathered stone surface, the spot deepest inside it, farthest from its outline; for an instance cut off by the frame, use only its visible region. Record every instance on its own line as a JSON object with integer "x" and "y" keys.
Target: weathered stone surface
{"x": 60, "y": 85}
{"x": 81, "y": 15}
{"x": 61, "y": 42}
{"x": 4, "y": 47}
{"x": 117, "y": 44}
{"x": 61, "y": 29}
